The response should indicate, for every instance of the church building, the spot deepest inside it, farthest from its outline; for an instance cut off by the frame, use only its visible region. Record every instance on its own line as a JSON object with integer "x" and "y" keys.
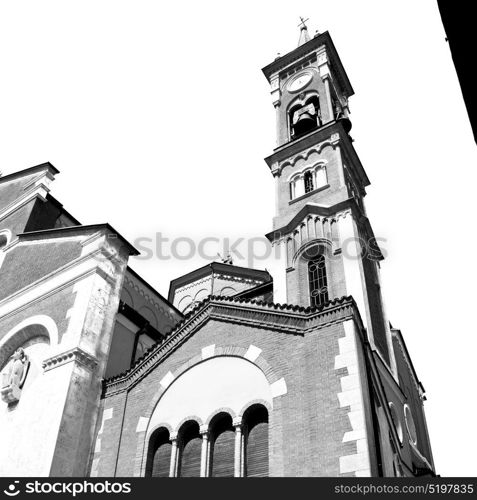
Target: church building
{"x": 294, "y": 371}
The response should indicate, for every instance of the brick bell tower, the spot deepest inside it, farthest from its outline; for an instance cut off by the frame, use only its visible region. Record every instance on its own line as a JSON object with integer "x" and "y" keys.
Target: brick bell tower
{"x": 321, "y": 231}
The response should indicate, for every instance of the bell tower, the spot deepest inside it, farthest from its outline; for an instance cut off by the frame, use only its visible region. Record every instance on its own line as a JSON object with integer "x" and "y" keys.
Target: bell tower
{"x": 321, "y": 232}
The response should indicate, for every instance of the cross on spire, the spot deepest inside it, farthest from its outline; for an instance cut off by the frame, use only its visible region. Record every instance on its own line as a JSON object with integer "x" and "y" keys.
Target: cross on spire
{"x": 304, "y": 36}
{"x": 302, "y": 24}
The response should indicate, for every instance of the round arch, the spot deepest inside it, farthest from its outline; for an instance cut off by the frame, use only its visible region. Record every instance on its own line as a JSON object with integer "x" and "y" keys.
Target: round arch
{"x": 184, "y": 398}
{"x": 322, "y": 245}
{"x": 250, "y": 354}
{"x": 30, "y": 328}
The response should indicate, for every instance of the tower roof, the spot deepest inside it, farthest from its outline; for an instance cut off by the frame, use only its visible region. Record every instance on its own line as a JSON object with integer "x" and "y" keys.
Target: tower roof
{"x": 217, "y": 267}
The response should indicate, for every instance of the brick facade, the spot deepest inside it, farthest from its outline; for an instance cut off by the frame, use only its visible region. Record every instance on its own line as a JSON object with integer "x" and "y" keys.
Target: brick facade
{"x": 341, "y": 393}
{"x": 307, "y": 424}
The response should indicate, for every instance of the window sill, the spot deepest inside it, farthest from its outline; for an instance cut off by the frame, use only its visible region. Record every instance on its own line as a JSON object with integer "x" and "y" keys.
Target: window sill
{"x": 301, "y": 197}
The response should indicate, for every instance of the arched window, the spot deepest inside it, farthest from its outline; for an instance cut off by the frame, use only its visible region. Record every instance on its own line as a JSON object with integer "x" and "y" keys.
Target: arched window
{"x": 304, "y": 117}
{"x": 318, "y": 281}
{"x": 222, "y": 446}
{"x": 190, "y": 449}
{"x": 306, "y": 182}
{"x": 159, "y": 458}
{"x": 256, "y": 442}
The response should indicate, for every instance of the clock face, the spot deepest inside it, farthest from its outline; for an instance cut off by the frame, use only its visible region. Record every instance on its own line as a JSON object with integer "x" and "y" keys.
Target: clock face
{"x": 299, "y": 82}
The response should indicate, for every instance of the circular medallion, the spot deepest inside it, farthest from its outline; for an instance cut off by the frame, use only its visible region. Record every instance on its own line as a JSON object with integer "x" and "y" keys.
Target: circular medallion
{"x": 300, "y": 81}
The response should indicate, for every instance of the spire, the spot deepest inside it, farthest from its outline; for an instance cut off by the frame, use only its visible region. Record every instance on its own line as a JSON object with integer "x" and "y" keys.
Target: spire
{"x": 304, "y": 36}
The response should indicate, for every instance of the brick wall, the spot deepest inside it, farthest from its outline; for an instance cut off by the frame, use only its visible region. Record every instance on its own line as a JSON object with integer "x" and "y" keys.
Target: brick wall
{"x": 307, "y": 424}
{"x": 25, "y": 264}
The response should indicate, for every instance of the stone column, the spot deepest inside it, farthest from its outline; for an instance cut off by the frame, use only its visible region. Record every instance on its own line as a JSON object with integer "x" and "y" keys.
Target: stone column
{"x": 278, "y": 127}
{"x": 290, "y": 251}
{"x": 205, "y": 453}
{"x": 174, "y": 456}
{"x": 328, "y": 98}
{"x": 315, "y": 182}
{"x": 335, "y": 141}
{"x": 238, "y": 469}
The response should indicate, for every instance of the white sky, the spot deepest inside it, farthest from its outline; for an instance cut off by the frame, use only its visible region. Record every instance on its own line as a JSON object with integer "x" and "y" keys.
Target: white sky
{"x": 158, "y": 116}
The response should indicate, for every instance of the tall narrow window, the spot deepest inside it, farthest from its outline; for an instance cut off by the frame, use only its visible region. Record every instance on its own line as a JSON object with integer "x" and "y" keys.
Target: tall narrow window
{"x": 223, "y": 445}
{"x": 318, "y": 281}
{"x": 308, "y": 181}
{"x": 256, "y": 442}
{"x": 191, "y": 444}
{"x": 159, "y": 459}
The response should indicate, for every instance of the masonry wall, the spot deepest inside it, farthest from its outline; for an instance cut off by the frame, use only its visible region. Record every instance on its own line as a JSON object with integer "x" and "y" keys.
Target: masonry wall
{"x": 28, "y": 430}
{"x": 308, "y": 424}
{"x": 14, "y": 189}
{"x": 333, "y": 194}
{"x": 17, "y": 220}
{"x": 25, "y": 264}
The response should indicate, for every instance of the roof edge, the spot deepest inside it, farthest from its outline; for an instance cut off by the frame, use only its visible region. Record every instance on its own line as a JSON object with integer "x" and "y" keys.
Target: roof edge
{"x": 191, "y": 320}
{"x": 32, "y": 235}
{"x": 27, "y": 171}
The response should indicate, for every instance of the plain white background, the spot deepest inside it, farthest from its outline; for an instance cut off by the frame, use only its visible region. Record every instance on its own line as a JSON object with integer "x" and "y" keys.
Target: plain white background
{"x": 158, "y": 116}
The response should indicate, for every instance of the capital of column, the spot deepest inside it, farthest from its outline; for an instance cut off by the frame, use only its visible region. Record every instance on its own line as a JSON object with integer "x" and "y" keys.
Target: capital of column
{"x": 335, "y": 139}
{"x": 237, "y": 422}
{"x": 174, "y": 436}
{"x": 204, "y": 431}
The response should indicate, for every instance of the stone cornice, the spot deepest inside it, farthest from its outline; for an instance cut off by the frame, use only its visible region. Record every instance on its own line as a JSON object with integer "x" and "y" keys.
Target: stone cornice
{"x": 331, "y": 134}
{"x": 340, "y": 209}
{"x": 165, "y": 308}
{"x": 76, "y": 354}
{"x": 284, "y": 318}
{"x": 314, "y": 45}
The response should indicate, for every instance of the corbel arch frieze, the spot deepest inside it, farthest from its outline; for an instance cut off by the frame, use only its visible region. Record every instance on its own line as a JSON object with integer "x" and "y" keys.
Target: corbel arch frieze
{"x": 304, "y": 155}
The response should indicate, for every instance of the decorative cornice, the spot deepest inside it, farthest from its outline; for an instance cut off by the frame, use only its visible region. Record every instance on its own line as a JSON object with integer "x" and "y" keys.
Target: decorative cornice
{"x": 341, "y": 209}
{"x": 330, "y": 134}
{"x": 305, "y": 154}
{"x": 238, "y": 279}
{"x": 128, "y": 281}
{"x": 194, "y": 284}
{"x": 76, "y": 354}
{"x": 211, "y": 277}
{"x": 283, "y": 318}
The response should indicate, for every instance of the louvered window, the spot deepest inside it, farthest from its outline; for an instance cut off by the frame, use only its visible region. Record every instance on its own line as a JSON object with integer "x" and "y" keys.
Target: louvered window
{"x": 191, "y": 444}
{"x": 256, "y": 442}
{"x": 222, "y": 447}
{"x": 160, "y": 455}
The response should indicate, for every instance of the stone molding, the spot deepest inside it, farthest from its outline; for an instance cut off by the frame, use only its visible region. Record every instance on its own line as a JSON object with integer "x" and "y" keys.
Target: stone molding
{"x": 304, "y": 155}
{"x": 193, "y": 284}
{"x": 208, "y": 279}
{"x": 76, "y": 354}
{"x": 147, "y": 297}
